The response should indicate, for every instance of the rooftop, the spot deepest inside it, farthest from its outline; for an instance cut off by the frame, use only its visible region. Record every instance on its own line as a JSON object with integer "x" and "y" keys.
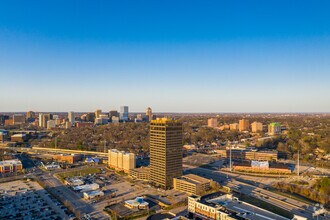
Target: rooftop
{"x": 195, "y": 179}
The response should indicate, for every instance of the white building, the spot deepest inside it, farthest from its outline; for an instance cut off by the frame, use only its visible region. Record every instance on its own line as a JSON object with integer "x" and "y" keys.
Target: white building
{"x": 71, "y": 117}
{"x": 51, "y": 124}
{"x": 93, "y": 194}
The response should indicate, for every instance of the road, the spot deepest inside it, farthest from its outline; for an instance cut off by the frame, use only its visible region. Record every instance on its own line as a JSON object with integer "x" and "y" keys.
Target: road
{"x": 289, "y": 204}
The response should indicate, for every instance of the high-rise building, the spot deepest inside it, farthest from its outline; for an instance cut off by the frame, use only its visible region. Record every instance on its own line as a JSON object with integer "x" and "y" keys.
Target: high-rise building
{"x": 71, "y": 117}
{"x": 18, "y": 119}
{"x": 212, "y": 122}
{"x": 30, "y": 116}
{"x": 113, "y": 113}
{"x": 274, "y": 128}
{"x": 243, "y": 125}
{"x": 256, "y": 126}
{"x": 43, "y": 118}
{"x": 51, "y": 124}
{"x": 149, "y": 114}
{"x": 165, "y": 151}
{"x": 98, "y": 112}
{"x": 124, "y": 113}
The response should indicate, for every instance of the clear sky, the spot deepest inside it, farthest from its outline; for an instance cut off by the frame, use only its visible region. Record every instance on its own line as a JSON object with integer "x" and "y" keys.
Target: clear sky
{"x": 174, "y": 56}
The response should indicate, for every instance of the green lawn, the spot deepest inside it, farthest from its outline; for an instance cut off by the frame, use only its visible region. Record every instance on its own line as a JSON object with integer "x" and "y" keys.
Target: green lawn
{"x": 82, "y": 172}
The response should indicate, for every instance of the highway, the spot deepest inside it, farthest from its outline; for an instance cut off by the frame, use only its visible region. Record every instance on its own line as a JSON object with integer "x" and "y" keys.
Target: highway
{"x": 236, "y": 184}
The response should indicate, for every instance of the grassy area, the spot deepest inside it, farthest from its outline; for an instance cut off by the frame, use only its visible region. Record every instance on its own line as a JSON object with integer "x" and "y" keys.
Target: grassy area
{"x": 265, "y": 205}
{"x": 82, "y": 172}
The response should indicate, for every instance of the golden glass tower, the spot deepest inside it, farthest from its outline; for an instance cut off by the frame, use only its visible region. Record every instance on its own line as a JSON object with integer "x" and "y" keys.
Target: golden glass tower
{"x": 165, "y": 152}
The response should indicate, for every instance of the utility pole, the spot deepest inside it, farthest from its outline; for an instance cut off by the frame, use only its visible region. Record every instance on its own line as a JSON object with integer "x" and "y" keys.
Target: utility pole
{"x": 298, "y": 164}
{"x": 230, "y": 168}
{"x": 55, "y": 143}
{"x": 105, "y": 146}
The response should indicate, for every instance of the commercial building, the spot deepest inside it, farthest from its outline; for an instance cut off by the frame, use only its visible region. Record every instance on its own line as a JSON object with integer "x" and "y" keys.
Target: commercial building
{"x": 43, "y": 118}
{"x": 71, "y": 117}
{"x": 18, "y": 119}
{"x": 274, "y": 128}
{"x": 3, "y": 118}
{"x": 86, "y": 187}
{"x": 261, "y": 167}
{"x": 114, "y": 113}
{"x": 244, "y": 125}
{"x": 84, "y": 124}
{"x": 262, "y": 155}
{"x": 192, "y": 184}
{"x": 149, "y": 114}
{"x": 121, "y": 160}
{"x": 67, "y": 158}
{"x": 212, "y": 122}
{"x": 98, "y": 112}
{"x": 233, "y": 126}
{"x": 124, "y": 113}
{"x": 142, "y": 173}
{"x": 256, "y": 127}
{"x": 9, "y": 166}
{"x": 165, "y": 151}
{"x": 19, "y": 138}
{"x": 137, "y": 203}
{"x": 226, "y": 207}
{"x": 93, "y": 194}
{"x": 90, "y": 117}
{"x": 51, "y": 124}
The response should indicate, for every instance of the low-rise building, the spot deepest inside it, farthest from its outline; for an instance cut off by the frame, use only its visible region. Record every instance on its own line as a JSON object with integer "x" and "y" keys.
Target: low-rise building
{"x": 67, "y": 158}
{"x": 192, "y": 184}
{"x": 261, "y": 155}
{"x": 256, "y": 127}
{"x": 19, "y": 138}
{"x": 212, "y": 122}
{"x": 137, "y": 203}
{"x": 233, "y": 127}
{"x": 93, "y": 194}
{"x": 142, "y": 173}
{"x": 226, "y": 207}
{"x": 9, "y": 166}
{"x": 274, "y": 128}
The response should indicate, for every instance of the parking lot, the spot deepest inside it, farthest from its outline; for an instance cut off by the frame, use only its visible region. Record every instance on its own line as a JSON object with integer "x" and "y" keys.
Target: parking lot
{"x": 28, "y": 200}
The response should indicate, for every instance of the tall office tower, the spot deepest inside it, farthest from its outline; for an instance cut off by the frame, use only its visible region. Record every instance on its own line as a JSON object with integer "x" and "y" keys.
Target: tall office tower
{"x": 43, "y": 118}
{"x": 256, "y": 126}
{"x": 30, "y": 115}
{"x": 18, "y": 119}
{"x": 71, "y": 117}
{"x": 98, "y": 112}
{"x": 274, "y": 128}
{"x": 243, "y": 125}
{"x": 149, "y": 114}
{"x": 124, "y": 113}
{"x": 212, "y": 122}
{"x": 113, "y": 113}
{"x": 40, "y": 119}
{"x": 165, "y": 151}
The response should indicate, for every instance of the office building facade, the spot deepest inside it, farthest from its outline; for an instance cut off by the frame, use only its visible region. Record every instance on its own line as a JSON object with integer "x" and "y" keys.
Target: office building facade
{"x": 165, "y": 152}
{"x": 244, "y": 125}
{"x": 124, "y": 113}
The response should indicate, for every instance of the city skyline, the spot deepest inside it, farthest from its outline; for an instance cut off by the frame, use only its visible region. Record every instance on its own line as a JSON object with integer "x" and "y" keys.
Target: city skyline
{"x": 188, "y": 57}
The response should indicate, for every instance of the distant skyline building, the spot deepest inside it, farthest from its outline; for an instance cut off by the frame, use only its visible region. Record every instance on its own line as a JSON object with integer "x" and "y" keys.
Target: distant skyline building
{"x": 98, "y": 112}
{"x": 18, "y": 119}
{"x": 212, "y": 122}
{"x": 244, "y": 125}
{"x": 149, "y": 114}
{"x": 43, "y": 118}
{"x": 166, "y": 143}
{"x": 233, "y": 126}
{"x": 256, "y": 126}
{"x": 30, "y": 115}
{"x": 124, "y": 113}
{"x": 274, "y": 128}
{"x": 71, "y": 117}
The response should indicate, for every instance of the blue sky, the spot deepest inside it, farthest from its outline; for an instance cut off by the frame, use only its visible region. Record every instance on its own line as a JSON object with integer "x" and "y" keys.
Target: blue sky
{"x": 174, "y": 56}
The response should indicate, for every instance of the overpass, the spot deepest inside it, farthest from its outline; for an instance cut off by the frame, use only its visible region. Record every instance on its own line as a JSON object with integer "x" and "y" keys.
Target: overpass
{"x": 54, "y": 150}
